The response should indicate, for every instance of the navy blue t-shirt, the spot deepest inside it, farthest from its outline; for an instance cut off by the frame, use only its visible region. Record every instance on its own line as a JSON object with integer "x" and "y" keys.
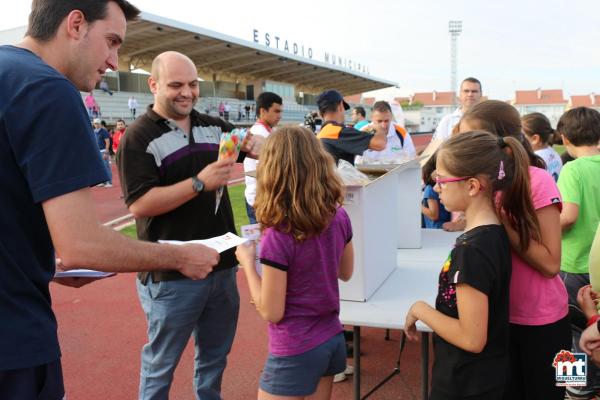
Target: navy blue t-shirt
{"x": 101, "y": 135}
{"x": 47, "y": 149}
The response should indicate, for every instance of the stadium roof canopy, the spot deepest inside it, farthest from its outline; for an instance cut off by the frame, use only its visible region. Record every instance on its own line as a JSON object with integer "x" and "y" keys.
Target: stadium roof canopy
{"x": 222, "y": 57}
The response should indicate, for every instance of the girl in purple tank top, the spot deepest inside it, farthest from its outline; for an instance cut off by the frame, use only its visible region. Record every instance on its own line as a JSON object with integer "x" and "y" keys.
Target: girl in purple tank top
{"x": 305, "y": 247}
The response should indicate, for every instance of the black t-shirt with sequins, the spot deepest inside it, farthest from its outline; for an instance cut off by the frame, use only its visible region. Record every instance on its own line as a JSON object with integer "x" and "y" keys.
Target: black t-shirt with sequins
{"x": 481, "y": 259}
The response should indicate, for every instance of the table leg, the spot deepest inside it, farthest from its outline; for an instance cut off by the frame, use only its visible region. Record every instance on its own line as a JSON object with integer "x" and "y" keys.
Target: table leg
{"x": 425, "y": 365}
{"x": 356, "y": 379}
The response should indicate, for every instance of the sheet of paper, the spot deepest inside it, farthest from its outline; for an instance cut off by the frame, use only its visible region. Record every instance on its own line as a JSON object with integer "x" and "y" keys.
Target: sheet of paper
{"x": 252, "y": 232}
{"x": 219, "y": 243}
{"x": 82, "y": 273}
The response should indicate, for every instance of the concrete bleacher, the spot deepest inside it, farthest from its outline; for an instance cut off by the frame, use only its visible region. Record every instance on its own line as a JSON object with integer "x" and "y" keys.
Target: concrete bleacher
{"x": 115, "y": 107}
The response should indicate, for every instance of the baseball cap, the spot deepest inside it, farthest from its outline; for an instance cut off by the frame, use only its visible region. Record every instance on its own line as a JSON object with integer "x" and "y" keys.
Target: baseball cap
{"x": 97, "y": 121}
{"x": 331, "y": 96}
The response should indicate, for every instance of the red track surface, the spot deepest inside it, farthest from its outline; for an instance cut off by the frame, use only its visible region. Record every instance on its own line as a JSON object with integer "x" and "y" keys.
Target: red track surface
{"x": 102, "y": 329}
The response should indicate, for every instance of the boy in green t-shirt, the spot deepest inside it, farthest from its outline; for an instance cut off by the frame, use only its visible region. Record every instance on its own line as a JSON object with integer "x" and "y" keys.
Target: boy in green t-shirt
{"x": 579, "y": 184}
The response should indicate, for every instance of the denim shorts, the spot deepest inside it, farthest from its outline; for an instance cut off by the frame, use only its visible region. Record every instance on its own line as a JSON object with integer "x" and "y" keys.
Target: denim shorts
{"x": 299, "y": 375}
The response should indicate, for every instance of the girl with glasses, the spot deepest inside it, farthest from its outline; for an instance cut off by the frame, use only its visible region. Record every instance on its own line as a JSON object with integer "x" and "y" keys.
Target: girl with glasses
{"x": 470, "y": 318}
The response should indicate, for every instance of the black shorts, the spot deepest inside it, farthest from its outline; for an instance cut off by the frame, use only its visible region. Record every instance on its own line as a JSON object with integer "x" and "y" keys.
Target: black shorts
{"x": 44, "y": 382}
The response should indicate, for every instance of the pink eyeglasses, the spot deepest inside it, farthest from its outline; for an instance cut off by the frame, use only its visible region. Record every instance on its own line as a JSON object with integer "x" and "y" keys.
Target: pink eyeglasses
{"x": 442, "y": 181}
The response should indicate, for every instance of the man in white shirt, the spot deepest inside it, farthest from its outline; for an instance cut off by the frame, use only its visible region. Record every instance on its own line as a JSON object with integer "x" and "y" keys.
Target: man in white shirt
{"x": 399, "y": 145}
{"x": 133, "y": 105}
{"x": 470, "y": 94}
{"x": 268, "y": 112}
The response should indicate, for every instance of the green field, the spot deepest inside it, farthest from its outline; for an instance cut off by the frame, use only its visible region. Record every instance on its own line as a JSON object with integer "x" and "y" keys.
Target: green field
{"x": 238, "y": 204}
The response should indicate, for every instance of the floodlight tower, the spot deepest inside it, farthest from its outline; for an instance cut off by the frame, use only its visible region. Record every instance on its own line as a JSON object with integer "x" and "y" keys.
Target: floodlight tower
{"x": 455, "y": 29}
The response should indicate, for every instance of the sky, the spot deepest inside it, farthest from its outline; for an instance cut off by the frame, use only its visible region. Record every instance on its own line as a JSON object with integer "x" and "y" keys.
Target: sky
{"x": 509, "y": 45}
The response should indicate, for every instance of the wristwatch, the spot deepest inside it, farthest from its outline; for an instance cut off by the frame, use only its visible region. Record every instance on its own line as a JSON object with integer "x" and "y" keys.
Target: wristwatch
{"x": 197, "y": 184}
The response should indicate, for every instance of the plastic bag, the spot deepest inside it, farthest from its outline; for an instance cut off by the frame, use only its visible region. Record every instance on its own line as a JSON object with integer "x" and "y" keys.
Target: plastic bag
{"x": 350, "y": 175}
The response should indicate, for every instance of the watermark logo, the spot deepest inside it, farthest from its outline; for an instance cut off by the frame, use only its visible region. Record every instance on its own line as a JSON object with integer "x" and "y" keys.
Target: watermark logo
{"x": 571, "y": 368}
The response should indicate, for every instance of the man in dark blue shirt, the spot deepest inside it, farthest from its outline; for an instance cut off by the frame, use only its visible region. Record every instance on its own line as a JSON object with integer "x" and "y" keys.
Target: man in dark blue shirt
{"x": 48, "y": 160}
{"x": 103, "y": 138}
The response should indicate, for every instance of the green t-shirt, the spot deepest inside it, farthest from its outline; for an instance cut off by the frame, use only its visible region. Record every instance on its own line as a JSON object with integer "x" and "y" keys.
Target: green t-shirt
{"x": 579, "y": 183}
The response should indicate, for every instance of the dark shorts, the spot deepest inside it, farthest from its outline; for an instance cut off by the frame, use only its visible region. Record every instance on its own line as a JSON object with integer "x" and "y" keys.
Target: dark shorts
{"x": 299, "y": 375}
{"x": 44, "y": 382}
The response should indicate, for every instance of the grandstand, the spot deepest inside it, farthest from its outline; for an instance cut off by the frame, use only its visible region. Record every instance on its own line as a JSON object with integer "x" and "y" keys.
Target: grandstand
{"x": 230, "y": 69}
{"x": 115, "y": 107}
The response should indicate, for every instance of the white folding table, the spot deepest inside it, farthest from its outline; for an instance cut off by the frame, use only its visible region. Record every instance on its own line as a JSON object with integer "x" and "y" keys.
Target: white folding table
{"x": 416, "y": 278}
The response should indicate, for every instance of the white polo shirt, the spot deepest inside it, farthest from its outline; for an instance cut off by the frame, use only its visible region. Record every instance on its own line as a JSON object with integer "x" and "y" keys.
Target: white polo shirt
{"x": 250, "y": 164}
{"x": 444, "y": 129}
{"x": 394, "y": 149}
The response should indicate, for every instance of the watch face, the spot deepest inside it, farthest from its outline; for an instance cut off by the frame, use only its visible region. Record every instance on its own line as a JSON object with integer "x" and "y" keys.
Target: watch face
{"x": 198, "y": 185}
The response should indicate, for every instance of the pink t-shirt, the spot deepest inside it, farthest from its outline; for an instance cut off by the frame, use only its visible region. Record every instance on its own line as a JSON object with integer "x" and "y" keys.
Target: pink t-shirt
{"x": 535, "y": 299}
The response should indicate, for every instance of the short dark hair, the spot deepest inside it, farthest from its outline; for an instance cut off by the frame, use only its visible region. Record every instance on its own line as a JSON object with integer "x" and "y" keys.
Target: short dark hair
{"x": 381, "y": 106}
{"x": 360, "y": 110}
{"x": 47, "y": 15}
{"x": 472, "y": 80}
{"x": 121, "y": 120}
{"x": 265, "y": 100}
{"x": 328, "y": 107}
{"x": 581, "y": 126}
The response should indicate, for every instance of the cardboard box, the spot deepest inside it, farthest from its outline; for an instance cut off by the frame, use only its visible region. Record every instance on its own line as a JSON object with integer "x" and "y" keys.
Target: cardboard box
{"x": 375, "y": 212}
{"x": 409, "y": 199}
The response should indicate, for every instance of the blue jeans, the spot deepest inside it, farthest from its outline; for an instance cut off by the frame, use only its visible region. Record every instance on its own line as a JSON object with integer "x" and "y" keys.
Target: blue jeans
{"x": 251, "y": 213}
{"x": 107, "y": 165}
{"x": 206, "y": 308}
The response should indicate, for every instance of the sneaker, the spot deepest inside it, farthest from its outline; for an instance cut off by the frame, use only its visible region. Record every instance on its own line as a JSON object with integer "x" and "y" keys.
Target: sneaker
{"x": 100, "y": 185}
{"x": 108, "y": 185}
{"x": 349, "y": 370}
{"x": 341, "y": 377}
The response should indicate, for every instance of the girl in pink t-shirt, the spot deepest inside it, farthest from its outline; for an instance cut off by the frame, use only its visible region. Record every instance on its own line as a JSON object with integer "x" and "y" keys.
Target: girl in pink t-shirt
{"x": 539, "y": 319}
{"x": 305, "y": 247}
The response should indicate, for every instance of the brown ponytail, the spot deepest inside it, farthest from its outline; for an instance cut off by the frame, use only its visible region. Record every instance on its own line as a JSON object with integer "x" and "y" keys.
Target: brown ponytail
{"x": 515, "y": 199}
{"x": 503, "y": 166}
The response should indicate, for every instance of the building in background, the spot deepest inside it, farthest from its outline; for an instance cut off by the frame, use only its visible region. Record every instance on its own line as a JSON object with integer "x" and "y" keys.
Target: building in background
{"x": 591, "y": 100}
{"x": 551, "y": 103}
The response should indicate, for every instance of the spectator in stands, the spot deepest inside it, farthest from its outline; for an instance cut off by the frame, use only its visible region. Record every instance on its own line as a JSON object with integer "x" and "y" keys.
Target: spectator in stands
{"x": 227, "y": 110}
{"x": 117, "y": 135}
{"x": 62, "y": 53}
{"x": 247, "y": 109}
{"x": 103, "y": 138}
{"x": 104, "y": 87}
{"x": 132, "y": 104}
{"x": 269, "y": 114}
{"x": 341, "y": 141}
{"x": 359, "y": 117}
{"x": 239, "y": 117}
{"x": 91, "y": 105}
{"x": 399, "y": 145}
{"x": 221, "y": 109}
{"x": 152, "y": 159}
{"x": 539, "y": 132}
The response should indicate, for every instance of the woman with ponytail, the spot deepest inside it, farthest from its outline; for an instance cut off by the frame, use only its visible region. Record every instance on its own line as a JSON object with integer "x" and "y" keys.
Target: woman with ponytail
{"x": 539, "y": 322}
{"x": 481, "y": 175}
